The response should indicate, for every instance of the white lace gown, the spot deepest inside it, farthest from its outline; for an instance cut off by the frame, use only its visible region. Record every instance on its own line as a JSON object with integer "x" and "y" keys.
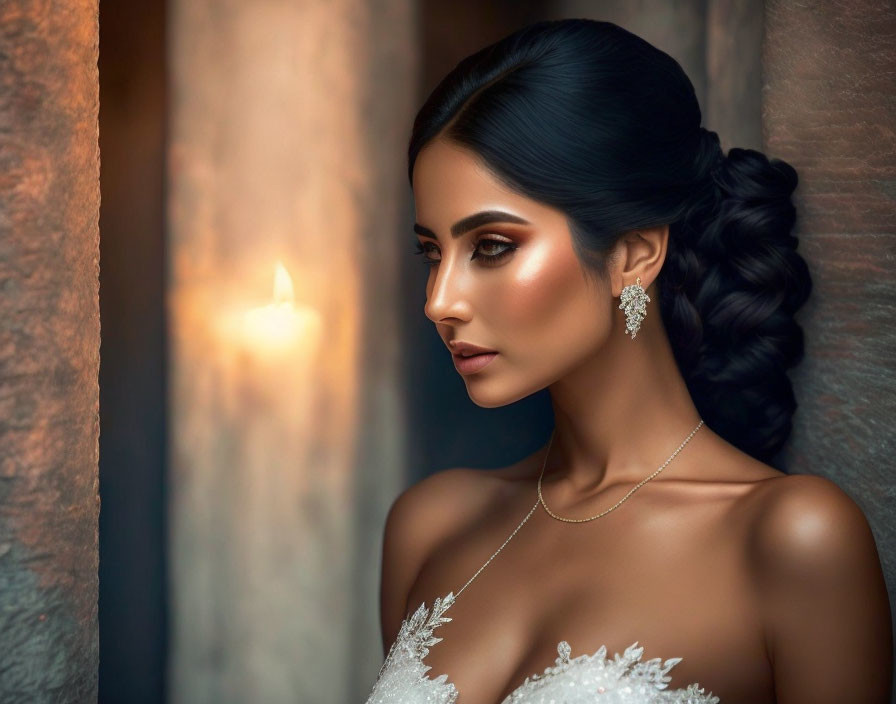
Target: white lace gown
{"x": 583, "y": 679}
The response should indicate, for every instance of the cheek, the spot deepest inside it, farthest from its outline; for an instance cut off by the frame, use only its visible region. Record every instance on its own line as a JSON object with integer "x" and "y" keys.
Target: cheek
{"x": 549, "y": 308}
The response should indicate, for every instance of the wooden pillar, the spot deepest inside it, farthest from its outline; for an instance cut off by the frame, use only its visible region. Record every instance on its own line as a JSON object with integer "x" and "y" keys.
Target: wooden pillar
{"x": 829, "y": 107}
{"x": 49, "y": 350}
{"x": 289, "y": 123}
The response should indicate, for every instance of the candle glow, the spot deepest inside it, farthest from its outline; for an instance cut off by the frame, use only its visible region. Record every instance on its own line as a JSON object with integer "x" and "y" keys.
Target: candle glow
{"x": 281, "y": 325}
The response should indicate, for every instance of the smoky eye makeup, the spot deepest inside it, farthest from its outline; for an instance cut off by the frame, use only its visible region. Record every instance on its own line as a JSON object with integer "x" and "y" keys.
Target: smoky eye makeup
{"x": 489, "y": 251}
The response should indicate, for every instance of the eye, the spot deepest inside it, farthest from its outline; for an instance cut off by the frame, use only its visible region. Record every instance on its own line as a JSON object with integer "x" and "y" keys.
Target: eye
{"x": 489, "y": 251}
{"x": 498, "y": 248}
{"x": 425, "y": 249}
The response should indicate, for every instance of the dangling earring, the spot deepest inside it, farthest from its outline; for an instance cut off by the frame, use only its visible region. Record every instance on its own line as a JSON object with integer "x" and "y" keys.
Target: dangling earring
{"x": 634, "y": 303}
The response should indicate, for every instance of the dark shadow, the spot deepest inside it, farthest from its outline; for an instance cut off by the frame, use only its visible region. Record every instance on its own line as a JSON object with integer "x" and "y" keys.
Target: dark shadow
{"x": 132, "y": 594}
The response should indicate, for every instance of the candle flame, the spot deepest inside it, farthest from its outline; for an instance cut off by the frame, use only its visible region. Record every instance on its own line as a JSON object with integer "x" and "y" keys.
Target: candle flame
{"x": 281, "y": 328}
{"x": 283, "y": 289}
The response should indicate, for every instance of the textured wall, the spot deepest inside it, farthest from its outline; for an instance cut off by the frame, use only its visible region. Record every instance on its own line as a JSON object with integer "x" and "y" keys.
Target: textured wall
{"x": 288, "y": 122}
{"x": 829, "y": 108}
{"x": 49, "y": 350}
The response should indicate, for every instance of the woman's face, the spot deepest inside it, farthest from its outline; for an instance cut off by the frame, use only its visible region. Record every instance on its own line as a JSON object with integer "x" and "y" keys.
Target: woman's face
{"x": 509, "y": 282}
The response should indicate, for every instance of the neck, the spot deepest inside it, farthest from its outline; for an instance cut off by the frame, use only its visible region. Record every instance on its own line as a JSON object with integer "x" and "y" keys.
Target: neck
{"x": 619, "y": 416}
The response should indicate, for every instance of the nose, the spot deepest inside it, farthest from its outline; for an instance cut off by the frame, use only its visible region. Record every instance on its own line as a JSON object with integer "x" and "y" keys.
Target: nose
{"x": 446, "y": 294}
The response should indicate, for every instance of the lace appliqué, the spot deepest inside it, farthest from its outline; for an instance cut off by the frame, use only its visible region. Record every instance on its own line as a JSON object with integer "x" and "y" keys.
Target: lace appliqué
{"x": 585, "y": 679}
{"x": 402, "y": 678}
{"x": 622, "y": 680}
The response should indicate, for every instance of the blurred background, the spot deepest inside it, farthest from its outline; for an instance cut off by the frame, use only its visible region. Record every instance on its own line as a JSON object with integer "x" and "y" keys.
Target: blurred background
{"x": 268, "y": 380}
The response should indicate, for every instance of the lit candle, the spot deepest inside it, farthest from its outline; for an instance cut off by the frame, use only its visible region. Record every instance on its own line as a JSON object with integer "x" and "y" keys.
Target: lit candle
{"x": 279, "y": 328}
{"x": 281, "y": 324}
{"x": 261, "y": 395}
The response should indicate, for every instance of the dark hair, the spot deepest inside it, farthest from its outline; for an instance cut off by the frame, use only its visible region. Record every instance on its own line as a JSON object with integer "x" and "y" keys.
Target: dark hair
{"x": 591, "y": 119}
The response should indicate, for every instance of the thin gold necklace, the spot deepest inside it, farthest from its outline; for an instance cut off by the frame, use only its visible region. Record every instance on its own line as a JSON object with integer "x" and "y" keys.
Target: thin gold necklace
{"x": 618, "y": 503}
{"x": 452, "y": 596}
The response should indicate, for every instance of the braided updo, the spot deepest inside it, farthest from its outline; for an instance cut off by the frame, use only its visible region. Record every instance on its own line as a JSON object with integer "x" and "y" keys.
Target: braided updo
{"x": 591, "y": 119}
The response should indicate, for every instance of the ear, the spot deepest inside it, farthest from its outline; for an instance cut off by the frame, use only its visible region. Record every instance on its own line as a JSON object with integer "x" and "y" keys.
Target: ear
{"x": 637, "y": 253}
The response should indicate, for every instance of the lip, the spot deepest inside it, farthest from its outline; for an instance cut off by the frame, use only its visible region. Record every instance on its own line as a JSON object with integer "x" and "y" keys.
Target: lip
{"x": 459, "y": 347}
{"x": 473, "y": 363}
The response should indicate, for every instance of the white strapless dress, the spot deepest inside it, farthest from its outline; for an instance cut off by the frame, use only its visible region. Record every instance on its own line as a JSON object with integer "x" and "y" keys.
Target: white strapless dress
{"x": 583, "y": 679}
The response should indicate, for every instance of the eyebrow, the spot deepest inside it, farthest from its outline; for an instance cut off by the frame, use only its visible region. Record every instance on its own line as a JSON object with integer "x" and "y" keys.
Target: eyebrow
{"x": 471, "y": 222}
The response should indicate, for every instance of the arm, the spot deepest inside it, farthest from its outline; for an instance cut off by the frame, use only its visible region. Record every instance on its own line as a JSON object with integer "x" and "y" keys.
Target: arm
{"x": 417, "y": 521}
{"x": 822, "y": 595}
{"x": 401, "y": 560}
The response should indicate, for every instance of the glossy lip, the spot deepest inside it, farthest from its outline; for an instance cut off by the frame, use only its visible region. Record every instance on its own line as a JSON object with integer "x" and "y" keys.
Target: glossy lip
{"x": 472, "y": 364}
{"x": 460, "y": 348}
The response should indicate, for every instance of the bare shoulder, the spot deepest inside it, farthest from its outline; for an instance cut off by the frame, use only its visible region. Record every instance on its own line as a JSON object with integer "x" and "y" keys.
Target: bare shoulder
{"x": 821, "y": 592}
{"x": 439, "y": 499}
{"x": 420, "y": 517}
{"x": 427, "y": 511}
{"x": 805, "y": 525}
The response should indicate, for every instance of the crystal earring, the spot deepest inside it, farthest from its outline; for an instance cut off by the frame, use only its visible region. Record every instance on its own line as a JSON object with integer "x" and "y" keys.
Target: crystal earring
{"x": 634, "y": 303}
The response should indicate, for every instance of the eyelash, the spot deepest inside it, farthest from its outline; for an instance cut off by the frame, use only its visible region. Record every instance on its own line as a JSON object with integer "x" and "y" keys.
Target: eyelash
{"x": 491, "y": 258}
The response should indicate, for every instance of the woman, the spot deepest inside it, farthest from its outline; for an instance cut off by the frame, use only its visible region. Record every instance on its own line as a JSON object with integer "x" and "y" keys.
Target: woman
{"x": 584, "y": 233}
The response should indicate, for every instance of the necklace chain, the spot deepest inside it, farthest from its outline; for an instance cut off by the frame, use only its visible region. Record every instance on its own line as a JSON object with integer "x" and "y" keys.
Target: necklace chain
{"x": 572, "y": 520}
{"x": 624, "y": 498}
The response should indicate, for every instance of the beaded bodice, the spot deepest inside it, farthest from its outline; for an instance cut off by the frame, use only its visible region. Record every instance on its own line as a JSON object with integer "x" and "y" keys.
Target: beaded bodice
{"x": 583, "y": 679}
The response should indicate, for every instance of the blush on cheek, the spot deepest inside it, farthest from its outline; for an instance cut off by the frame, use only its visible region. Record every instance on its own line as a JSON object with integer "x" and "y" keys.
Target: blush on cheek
{"x": 548, "y": 314}
{"x": 543, "y": 287}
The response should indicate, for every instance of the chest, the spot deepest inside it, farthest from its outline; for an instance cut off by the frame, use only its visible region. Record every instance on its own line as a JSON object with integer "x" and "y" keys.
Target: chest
{"x": 676, "y": 583}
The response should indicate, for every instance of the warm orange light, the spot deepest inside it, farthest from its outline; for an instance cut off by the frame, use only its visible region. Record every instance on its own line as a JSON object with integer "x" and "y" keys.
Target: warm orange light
{"x": 283, "y": 290}
{"x": 281, "y": 324}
